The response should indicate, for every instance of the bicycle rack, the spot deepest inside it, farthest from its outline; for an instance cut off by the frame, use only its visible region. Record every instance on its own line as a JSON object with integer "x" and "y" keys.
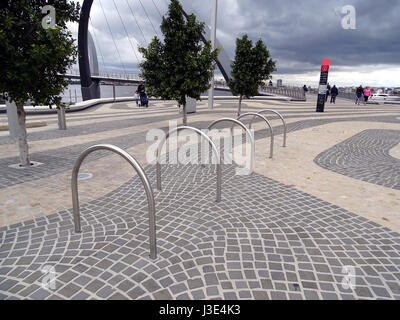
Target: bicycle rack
{"x": 247, "y": 132}
{"x": 283, "y": 120}
{"x": 143, "y": 178}
{"x": 271, "y": 151}
{"x": 202, "y": 134}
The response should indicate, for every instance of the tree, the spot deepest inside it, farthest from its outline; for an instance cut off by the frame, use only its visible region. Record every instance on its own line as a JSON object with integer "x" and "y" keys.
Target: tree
{"x": 250, "y": 67}
{"x": 180, "y": 66}
{"x": 32, "y": 57}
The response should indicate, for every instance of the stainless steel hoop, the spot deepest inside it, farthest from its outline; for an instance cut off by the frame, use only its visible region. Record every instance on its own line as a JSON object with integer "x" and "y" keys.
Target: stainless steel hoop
{"x": 283, "y": 120}
{"x": 215, "y": 150}
{"x": 248, "y": 132}
{"x": 271, "y": 150}
{"x": 143, "y": 177}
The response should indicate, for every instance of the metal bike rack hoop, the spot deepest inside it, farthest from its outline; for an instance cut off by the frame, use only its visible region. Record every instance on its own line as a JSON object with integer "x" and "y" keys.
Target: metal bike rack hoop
{"x": 143, "y": 177}
{"x": 283, "y": 120}
{"x": 202, "y": 134}
{"x": 271, "y": 150}
{"x": 248, "y": 132}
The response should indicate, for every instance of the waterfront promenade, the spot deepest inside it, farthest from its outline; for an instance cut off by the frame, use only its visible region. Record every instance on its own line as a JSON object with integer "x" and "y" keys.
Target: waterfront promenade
{"x": 329, "y": 200}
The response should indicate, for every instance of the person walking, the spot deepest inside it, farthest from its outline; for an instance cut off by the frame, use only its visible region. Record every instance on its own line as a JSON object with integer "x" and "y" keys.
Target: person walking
{"x": 359, "y": 94}
{"x": 142, "y": 93}
{"x": 328, "y": 92}
{"x": 305, "y": 90}
{"x": 136, "y": 97}
{"x": 141, "y": 88}
{"x": 334, "y": 94}
{"x": 367, "y": 94}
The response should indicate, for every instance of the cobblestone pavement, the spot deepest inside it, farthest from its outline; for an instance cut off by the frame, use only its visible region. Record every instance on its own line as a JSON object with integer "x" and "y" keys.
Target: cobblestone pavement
{"x": 62, "y": 159}
{"x": 225, "y": 111}
{"x": 263, "y": 241}
{"x": 366, "y": 157}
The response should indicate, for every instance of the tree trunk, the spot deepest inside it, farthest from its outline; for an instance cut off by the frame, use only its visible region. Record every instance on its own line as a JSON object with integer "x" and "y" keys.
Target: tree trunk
{"x": 62, "y": 124}
{"x": 21, "y": 138}
{"x": 184, "y": 114}
{"x": 240, "y": 105}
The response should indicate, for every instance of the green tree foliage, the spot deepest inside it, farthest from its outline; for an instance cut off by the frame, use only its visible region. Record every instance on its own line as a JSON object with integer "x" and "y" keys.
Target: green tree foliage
{"x": 32, "y": 57}
{"x": 252, "y": 64}
{"x": 180, "y": 66}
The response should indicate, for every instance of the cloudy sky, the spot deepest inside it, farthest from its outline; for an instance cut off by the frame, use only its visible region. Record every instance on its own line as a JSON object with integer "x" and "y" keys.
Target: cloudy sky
{"x": 298, "y": 33}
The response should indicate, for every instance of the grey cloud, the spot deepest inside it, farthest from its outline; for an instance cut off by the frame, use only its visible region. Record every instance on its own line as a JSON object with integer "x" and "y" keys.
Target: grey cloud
{"x": 299, "y": 33}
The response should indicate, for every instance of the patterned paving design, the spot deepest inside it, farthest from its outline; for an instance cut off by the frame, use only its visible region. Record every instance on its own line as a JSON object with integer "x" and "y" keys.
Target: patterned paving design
{"x": 133, "y": 119}
{"x": 62, "y": 159}
{"x": 264, "y": 240}
{"x": 365, "y": 157}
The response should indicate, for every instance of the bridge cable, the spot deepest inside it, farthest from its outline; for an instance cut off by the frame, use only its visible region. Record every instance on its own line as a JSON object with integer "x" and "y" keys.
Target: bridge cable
{"x": 115, "y": 44}
{"x": 137, "y": 23}
{"x": 149, "y": 18}
{"x": 123, "y": 24}
{"x": 98, "y": 44}
{"x": 157, "y": 9}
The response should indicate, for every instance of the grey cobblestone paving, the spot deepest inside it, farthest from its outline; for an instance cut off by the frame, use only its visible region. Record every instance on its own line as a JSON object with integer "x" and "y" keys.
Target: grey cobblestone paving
{"x": 134, "y": 119}
{"x": 365, "y": 157}
{"x": 264, "y": 240}
{"x": 62, "y": 159}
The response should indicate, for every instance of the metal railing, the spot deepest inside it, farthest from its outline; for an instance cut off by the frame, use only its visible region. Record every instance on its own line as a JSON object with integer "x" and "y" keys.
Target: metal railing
{"x": 280, "y": 116}
{"x": 143, "y": 177}
{"x": 248, "y": 132}
{"x": 292, "y": 92}
{"x": 127, "y": 76}
{"x": 392, "y": 99}
{"x": 254, "y": 114}
{"x": 214, "y": 148}
{"x": 347, "y": 95}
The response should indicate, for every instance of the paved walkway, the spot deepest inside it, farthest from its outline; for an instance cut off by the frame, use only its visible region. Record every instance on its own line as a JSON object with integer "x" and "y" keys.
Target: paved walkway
{"x": 285, "y": 232}
{"x": 366, "y": 156}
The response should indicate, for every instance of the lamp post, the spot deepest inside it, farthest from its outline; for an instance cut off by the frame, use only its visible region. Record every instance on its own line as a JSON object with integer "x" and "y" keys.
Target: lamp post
{"x": 213, "y": 37}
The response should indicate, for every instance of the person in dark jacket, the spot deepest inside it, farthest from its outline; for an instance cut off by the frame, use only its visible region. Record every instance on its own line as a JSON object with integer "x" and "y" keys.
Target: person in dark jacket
{"x": 142, "y": 93}
{"x": 141, "y": 88}
{"x": 334, "y": 94}
{"x": 359, "y": 94}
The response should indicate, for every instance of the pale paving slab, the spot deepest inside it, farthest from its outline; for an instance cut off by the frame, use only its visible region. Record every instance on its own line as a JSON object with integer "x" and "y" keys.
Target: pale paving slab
{"x": 46, "y": 195}
{"x": 294, "y": 165}
{"x": 264, "y": 241}
{"x": 395, "y": 152}
{"x": 107, "y": 114}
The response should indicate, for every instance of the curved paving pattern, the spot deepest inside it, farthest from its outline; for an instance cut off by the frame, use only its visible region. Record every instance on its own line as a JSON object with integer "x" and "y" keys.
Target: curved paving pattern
{"x": 62, "y": 159}
{"x": 133, "y": 119}
{"x": 365, "y": 157}
{"x": 264, "y": 240}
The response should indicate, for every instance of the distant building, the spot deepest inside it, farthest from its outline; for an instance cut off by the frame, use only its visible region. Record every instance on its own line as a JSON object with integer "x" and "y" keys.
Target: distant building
{"x": 279, "y": 82}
